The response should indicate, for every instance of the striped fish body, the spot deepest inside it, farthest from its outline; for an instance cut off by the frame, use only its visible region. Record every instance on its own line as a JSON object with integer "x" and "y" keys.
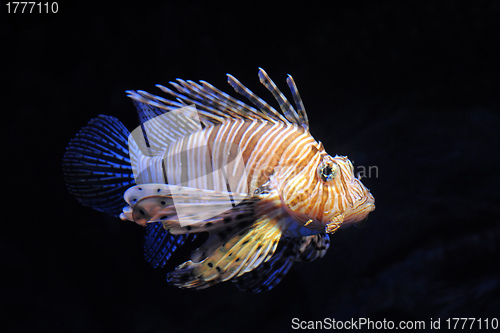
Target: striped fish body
{"x": 255, "y": 180}
{"x": 261, "y": 145}
{"x": 249, "y": 153}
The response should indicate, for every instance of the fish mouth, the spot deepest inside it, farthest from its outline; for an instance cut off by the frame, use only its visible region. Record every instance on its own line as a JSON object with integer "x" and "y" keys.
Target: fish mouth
{"x": 360, "y": 208}
{"x": 360, "y": 214}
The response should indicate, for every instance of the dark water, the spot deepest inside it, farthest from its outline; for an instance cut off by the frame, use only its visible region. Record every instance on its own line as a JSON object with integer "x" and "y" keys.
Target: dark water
{"x": 409, "y": 89}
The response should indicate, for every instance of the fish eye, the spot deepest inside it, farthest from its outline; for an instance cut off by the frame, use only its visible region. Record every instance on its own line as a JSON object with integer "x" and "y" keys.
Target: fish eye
{"x": 327, "y": 170}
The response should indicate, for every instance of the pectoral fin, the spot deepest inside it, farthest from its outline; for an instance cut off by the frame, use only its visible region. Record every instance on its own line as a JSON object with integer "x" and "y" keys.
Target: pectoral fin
{"x": 240, "y": 254}
{"x": 313, "y": 247}
{"x": 184, "y": 209}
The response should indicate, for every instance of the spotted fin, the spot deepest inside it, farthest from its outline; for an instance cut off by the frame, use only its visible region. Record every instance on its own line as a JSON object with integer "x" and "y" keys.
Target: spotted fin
{"x": 96, "y": 165}
{"x": 270, "y": 273}
{"x": 313, "y": 247}
{"x": 208, "y": 217}
{"x": 240, "y": 254}
{"x": 183, "y": 209}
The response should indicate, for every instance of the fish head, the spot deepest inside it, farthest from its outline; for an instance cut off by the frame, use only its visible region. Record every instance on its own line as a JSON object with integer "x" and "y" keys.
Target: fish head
{"x": 324, "y": 194}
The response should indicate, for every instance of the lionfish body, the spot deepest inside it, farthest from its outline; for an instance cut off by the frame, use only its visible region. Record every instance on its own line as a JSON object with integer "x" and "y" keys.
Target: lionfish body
{"x": 254, "y": 179}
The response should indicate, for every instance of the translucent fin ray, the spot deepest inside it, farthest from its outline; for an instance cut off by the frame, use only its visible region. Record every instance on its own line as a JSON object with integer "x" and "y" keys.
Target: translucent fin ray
{"x": 256, "y": 100}
{"x": 216, "y": 106}
{"x": 270, "y": 273}
{"x": 298, "y": 102}
{"x": 284, "y": 104}
{"x": 240, "y": 254}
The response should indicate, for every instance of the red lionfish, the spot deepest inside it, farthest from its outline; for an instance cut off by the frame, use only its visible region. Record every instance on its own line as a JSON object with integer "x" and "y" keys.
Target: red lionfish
{"x": 253, "y": 178}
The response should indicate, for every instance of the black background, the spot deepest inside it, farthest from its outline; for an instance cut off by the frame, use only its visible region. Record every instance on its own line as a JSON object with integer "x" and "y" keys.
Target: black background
{"x": 410, "y": 87}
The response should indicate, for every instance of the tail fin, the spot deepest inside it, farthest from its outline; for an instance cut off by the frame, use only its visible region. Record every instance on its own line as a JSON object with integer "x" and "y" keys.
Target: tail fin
{"x": 97, "y": 167}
